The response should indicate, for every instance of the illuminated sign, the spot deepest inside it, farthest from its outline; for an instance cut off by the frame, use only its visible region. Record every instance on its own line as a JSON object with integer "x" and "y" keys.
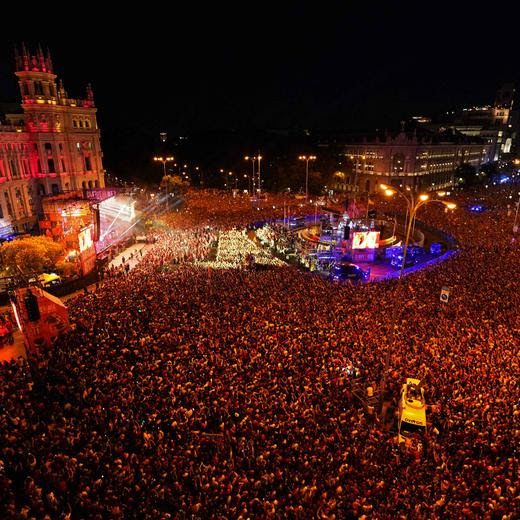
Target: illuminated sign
{"x": 85, "y": 239}
{"x": 365, "y": 240}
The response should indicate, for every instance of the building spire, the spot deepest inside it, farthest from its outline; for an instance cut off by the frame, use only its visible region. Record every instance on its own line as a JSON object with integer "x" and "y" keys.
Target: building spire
{"x": 90, "y": 93}
{"x": 41, "y": 58}
{"x": 25, "y": 58}
{"x": 48, "y": 61}
{"x": 62, "y": 93}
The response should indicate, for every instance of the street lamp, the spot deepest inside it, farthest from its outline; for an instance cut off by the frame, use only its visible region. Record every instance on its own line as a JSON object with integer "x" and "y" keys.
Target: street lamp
{"x": 307, "y": 158}
{"x": 252, "y": 159}
{"x": 413, "y": 202}
{"x": 164, "y": 160}
{"x": 259, "y": 175}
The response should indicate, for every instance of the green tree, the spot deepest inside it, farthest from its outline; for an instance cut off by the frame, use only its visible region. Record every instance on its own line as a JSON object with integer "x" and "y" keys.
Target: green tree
{"x": 32, "y": 254}
{"x": 174, "y": 184}
{"x": 467, "y": 173}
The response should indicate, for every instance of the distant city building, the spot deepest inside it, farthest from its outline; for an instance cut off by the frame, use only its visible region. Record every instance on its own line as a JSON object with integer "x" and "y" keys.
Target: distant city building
{"x": 51, "y": 146}
{"x": 420, "y": 159}
{"x": 497, "y": 123}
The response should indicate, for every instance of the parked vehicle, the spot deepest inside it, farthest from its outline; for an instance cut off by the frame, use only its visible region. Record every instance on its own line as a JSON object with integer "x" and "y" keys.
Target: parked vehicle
{"x": 46, "y": 280}
{"x": 342, "y": 271}
{"x": 412, "y": 416}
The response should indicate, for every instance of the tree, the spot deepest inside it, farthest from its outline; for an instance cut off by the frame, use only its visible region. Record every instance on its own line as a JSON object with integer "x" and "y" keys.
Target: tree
{"x": 32, "y": 254}
{"x": 174, "y": 184}
{"x": 467, "y": 173}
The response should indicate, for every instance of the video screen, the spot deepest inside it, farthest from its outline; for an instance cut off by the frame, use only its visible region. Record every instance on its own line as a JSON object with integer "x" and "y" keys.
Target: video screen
{"x": 365, "y": 240}
{"x": 116, "y": 220}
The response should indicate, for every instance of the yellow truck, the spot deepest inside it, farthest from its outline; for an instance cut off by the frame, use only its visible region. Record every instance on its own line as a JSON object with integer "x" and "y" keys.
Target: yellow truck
{"x": 412, "y": 416}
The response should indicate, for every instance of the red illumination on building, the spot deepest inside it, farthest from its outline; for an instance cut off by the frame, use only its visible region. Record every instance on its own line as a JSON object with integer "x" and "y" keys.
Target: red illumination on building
{"x": 49, "y": 144}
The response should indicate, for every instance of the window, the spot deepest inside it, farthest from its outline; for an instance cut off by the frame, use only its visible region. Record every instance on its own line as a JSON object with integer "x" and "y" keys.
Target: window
{"x": 75, "y": 123}
{"x": 90, "y": 184}
{"x": 14, "y": 168}
{"x": 60, "y": 145}
{"x": 78, "y": 146}
{"x": 41, "y": 189}
{"x": 96, "y": 184}
{"x": 20, "y": 201}
{"x": 8, "y": 203}
{"x": 38, "y": 89}
{"x": 63, "y": 165}
{"x": 87, "y": 123}
{"x": 50, "y": 165}
{"x": 88, "y": 164}
{"x": 83, "y": 184}
{"x": 55, "y": 189}
{"x": 48, "y": 146}
{"x": 25, "y": 89}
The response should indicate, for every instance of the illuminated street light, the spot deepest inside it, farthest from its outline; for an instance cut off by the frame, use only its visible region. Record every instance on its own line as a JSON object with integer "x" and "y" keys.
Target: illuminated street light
{"x": 307, "y": 158}
{"x": 413, "y": 204}
{"x": 252, "y": 159}
{"x": 164, "y": 160}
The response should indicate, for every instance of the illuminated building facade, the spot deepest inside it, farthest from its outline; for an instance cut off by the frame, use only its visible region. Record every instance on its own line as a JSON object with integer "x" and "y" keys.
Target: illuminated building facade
{"x": 421, "y": 160}
{"x": 497, "y": 123}
{"x": 50, "y": 148}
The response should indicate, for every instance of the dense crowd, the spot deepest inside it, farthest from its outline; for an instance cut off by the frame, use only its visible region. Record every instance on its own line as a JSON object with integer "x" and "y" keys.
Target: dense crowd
{"x": 184, "y": 392}
{"x": 235, "y": 248}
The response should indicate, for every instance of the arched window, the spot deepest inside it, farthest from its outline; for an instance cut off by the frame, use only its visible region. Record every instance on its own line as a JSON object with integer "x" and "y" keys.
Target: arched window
{"x": 96, "y": 184}
{"x": 38, "y": 89}
{"x": 83, "y": 184}
{"x": 90, "y": 184}
{"x": 75, "y": 123}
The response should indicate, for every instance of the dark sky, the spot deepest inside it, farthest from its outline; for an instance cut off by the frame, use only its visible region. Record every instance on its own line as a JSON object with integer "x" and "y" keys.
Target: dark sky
{"x": 328, "y": 66}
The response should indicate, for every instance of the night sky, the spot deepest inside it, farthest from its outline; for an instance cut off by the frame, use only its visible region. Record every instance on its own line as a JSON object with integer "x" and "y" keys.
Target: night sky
{"x": 328, "y": 67}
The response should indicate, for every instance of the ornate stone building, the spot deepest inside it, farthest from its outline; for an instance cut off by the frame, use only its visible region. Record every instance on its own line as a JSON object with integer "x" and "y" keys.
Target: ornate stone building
{"x": 50, "y": 148}
{"x": 419, "y": 159}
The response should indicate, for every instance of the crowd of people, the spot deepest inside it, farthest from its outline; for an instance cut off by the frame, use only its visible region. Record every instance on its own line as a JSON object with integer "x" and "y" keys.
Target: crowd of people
{"x": 235, "y": 248}
{"x": 6, "y": 329}
{"x": 185, "y": 392}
